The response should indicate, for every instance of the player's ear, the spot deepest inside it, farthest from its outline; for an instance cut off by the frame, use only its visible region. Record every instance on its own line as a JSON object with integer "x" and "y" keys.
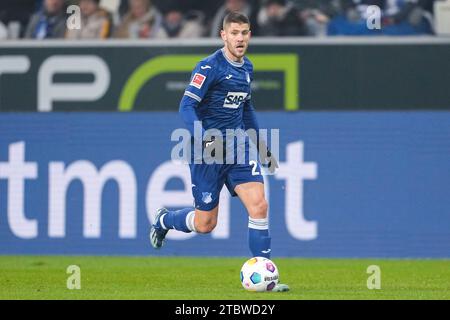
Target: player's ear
{"x": 223, "y": 35}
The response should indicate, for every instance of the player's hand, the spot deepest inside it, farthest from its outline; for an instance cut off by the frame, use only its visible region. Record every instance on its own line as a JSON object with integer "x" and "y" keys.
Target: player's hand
{"x": 269, "y": 161}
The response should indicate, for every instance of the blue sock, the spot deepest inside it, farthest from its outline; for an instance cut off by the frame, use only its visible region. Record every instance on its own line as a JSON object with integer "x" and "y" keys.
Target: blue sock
{"x": 181, "y": 220}
{"x": 259, "y": 238}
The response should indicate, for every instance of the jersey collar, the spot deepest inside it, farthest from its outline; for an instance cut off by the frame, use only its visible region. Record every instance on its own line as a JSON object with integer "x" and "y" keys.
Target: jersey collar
{"x": 233, "y": 63}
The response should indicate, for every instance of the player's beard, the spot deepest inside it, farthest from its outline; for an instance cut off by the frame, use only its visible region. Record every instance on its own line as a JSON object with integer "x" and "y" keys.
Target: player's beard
{"x": 236, "y": 51}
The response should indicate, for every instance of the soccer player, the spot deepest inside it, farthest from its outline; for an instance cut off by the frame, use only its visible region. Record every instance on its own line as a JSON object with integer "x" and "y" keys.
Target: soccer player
{"x": 219, "y": 96}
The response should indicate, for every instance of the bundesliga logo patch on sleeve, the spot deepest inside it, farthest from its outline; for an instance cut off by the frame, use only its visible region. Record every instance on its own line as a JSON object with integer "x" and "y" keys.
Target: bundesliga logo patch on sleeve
{"x": 197, "y": 80}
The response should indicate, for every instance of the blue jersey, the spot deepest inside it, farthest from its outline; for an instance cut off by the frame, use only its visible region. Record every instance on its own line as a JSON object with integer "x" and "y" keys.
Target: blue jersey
{"x": 219, "y": 95}
{"x": 221, "y": 88}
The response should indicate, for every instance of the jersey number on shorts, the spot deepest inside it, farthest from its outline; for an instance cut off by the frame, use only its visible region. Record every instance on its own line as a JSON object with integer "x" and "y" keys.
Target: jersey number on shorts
{"x": 255, "y": 165}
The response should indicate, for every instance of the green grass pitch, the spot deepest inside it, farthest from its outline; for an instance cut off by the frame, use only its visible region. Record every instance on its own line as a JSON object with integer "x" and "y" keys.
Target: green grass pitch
{"x": 32, "y": 277}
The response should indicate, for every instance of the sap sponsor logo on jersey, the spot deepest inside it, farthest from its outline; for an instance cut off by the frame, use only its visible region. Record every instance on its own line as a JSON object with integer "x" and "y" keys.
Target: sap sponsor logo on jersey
{"x": 198, "y": 80}
{"x": 234, "y": 99}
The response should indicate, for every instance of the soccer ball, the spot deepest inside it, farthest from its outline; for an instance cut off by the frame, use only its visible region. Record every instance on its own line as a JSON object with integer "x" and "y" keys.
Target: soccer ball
{"x": 259, "y": 274}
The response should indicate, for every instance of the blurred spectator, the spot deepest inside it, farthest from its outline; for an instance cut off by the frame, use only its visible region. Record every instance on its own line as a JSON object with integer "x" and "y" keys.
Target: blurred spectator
{"x": 95, "y": 22}
{"x": 49, "y": 22}
{"x": 142, "y": 20}
{"x": 177, "y": 25}
{"x": 207, "y": 7}
{"x": 229, "y": 6}
{"x": 16, "y": 13}
{"x": 280, "y": 18}
{"x": 316, "y": 14}
{"x": 398, "y": 17}
{"x": 405, "y": 17}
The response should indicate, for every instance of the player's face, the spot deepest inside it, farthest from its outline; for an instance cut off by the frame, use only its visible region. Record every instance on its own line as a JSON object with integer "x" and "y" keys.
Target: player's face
{"x": 236, "y": 37}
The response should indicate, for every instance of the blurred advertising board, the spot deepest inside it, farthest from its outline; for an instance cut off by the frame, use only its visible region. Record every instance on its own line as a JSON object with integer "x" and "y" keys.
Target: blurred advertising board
{"x": 290, "y": 74}
{"x": 350, "y": 184}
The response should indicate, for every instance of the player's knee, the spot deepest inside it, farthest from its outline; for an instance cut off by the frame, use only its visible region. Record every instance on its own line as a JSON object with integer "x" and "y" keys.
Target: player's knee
{"x": 259, "y": 209}
{"x": 206, "y": 227}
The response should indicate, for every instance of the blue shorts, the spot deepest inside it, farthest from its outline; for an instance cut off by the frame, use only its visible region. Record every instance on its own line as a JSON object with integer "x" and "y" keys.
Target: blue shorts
{"x": 208, "y": 181}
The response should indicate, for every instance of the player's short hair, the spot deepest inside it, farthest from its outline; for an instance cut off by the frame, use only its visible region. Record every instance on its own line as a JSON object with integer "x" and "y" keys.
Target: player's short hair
{"x": 236, "y": 17}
